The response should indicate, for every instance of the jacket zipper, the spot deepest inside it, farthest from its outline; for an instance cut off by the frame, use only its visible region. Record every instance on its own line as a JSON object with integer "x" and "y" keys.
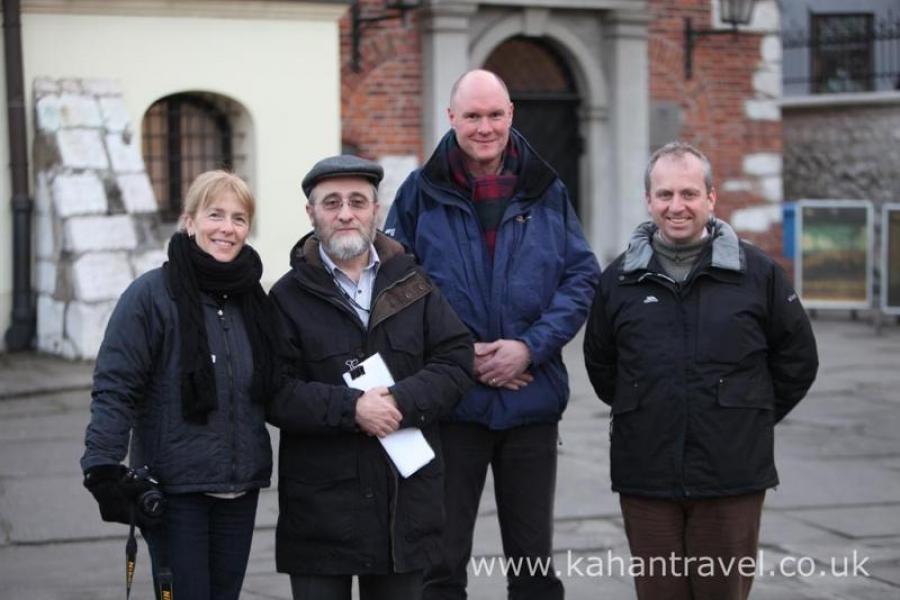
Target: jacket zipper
{"x": 391, "y": 532}
{"x": 333, "y": 300}
{"x": 392, "y": 541}
{"x": 675, "y": 289}
{"x": 231, "y": 412}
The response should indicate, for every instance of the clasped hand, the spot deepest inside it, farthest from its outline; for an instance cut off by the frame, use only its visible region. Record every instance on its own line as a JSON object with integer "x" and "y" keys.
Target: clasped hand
{"x": 503, "y": 363}
{"x": 377, "y": 413}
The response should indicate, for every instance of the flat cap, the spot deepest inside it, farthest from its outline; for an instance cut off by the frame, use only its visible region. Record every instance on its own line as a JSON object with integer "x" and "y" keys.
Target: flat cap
{"x": 344, "y": 165}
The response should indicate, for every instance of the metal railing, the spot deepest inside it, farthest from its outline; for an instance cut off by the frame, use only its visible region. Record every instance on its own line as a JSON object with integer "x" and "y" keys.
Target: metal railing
{"x": 841, "y": 53}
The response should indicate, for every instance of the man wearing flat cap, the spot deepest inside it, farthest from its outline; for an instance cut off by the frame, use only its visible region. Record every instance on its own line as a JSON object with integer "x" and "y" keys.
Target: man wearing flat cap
{"x": 352, "y": 293}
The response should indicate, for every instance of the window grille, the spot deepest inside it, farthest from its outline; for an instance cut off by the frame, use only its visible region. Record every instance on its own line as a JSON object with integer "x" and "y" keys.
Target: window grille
{"x": 184, "y": 135}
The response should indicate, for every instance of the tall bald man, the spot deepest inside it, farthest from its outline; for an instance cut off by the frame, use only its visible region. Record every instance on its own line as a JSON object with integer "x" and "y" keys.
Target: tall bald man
{"x": 492, "y": 224}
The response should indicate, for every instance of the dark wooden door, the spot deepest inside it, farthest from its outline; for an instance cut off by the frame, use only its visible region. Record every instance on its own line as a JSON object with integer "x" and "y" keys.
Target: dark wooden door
{"x": 546, "y": 102}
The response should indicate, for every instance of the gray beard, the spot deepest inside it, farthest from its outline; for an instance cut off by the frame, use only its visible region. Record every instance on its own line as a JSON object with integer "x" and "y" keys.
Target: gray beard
{"x": 347, "y": 247}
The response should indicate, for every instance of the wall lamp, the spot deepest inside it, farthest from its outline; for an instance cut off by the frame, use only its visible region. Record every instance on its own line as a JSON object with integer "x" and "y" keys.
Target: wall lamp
{"x": 732, "y": 12}
{"x": 393, "y": 9}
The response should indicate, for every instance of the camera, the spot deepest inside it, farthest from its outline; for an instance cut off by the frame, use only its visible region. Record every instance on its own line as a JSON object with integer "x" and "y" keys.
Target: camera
{"x": 150, "y": 501}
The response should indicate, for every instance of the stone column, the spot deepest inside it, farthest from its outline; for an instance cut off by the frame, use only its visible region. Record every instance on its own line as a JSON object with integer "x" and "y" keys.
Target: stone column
{"x": 445, "y": 56}
{"x": 626, "y": 39}
{"x": 597, "y": 176}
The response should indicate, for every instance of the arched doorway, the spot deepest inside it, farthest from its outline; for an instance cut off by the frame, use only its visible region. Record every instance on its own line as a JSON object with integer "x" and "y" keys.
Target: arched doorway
{"x": 546, "y": 101}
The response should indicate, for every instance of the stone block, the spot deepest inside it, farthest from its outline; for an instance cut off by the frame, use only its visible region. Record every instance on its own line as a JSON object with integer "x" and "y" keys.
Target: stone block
{"x": 45, "y": 231}
{"x": 48, "y": 114}
{"x": 115, "y": 113}
{"x": 101, "y": 276}
{"x": 145, "y": 261}
{"x": 762, "y": 163}
{"x": 50, "y": 324}
{"x": 736, "y": 185}
{"x": 137, "y": 193}
{"x": 102, "y": 87}
{"x": 767, "y": 83}
{"x": 86, "y": 324}
{"x": 81, "y": 149}
{"x": 45, "y": 277}
{"x": 42, "y": 199}
{"x": 762, "y": 110}
{"x": 770, "y": 48}
{"x": 44, "y": 85}
{"x": 98, "y": 233}
{"x": 396, "y": 169}
{"x": 771, "y": 188}
{"x": 78, "y": 194}
{"x": 756, "y": 219}
{"x": 124, "y": 154}
{"x": 70, "y": 86}
{"x": 77, "y": 110}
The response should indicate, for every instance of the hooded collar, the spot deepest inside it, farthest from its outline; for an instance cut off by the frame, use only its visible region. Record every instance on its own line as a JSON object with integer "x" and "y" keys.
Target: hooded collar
{"x": 533, "y": 178}
{"x": 727, "y": 253}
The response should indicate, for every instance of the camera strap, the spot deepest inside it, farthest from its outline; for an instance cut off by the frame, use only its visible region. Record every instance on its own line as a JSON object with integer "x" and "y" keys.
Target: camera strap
{"x": 130, "y": 554}
{"x": 164, "y": 573}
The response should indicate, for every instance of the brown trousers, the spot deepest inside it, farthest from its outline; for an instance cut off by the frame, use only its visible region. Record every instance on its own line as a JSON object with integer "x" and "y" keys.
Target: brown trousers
{"x": 704, "y": 536}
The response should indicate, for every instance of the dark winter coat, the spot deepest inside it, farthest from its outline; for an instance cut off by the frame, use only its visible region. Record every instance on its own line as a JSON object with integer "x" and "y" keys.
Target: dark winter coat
{"x": 537, "y": 289}
{"x": 697, "y": 373}
{"x": 343, "y": 509}
{"x": 137, "y": 383}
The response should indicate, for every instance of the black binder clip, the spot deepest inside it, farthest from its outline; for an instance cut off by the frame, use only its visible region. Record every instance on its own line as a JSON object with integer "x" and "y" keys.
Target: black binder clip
{"x": 356, "y": 369}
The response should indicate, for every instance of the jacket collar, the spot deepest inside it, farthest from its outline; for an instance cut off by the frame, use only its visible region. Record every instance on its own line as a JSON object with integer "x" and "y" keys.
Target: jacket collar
{"x": 398, "y": 271}
{"x": 534, "y": 176}
{"x": 727, "y": 253}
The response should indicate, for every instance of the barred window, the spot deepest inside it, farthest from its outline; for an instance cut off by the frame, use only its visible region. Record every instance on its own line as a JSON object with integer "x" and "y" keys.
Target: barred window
{"x": 184, "y": 135}
{"x": 842, "y": 53}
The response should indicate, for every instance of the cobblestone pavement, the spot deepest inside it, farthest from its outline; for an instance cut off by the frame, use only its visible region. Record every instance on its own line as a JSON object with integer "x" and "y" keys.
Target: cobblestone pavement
{"x": 838, "y": 455}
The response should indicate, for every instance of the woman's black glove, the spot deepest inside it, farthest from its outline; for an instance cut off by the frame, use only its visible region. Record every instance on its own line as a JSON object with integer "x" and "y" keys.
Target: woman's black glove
{"x": 116, "y": 492}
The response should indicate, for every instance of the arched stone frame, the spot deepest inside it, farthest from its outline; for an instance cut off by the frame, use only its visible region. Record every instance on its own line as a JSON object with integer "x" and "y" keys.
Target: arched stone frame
{"x": 607, "y": 49}
{"x": 243, "y": 138}
{"x": 595, "y": 166}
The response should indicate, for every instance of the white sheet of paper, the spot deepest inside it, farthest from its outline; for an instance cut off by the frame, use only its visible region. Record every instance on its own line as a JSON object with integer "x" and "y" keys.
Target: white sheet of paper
{"x": 407, "y": 448}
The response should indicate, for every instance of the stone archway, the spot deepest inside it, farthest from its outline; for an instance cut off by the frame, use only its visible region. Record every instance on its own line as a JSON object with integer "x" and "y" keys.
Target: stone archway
{"x": 606, "y": 54}
{"x": 546, "y": 100}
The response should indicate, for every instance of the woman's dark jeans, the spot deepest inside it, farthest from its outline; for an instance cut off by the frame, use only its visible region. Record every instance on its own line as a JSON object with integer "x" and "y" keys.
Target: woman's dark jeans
{"x": 206, "y": 543}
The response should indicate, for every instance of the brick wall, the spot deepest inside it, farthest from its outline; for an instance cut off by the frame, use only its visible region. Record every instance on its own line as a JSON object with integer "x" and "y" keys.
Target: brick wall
{"x": 381, "y": 104}
{"x": 712, "y": 102}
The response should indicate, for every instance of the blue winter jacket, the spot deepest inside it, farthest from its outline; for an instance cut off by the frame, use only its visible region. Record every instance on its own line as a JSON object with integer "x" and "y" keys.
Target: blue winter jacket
{"x": 537, "y": 289}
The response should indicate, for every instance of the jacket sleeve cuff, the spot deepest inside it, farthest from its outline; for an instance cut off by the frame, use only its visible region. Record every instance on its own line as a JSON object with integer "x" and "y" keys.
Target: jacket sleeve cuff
{"x": 534, "y": 355}
{"x": 343, "y": 411}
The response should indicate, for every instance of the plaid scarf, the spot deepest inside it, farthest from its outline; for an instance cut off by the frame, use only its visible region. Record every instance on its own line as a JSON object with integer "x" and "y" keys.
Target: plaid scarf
{"x": 490, "y": 194}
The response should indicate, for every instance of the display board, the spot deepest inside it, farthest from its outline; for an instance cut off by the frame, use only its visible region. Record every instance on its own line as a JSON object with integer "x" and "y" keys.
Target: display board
{"x": 833, "y": 268}
{"x": 890, "y": 259}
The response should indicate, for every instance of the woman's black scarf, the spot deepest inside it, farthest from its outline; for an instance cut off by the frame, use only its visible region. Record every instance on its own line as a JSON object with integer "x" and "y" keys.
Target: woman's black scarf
{"x": 190, "y": 271}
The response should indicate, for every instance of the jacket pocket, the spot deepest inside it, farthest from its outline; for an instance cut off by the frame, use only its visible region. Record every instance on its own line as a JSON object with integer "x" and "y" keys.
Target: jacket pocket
{"x": 327, "y": 360}
{"x": 423, "y": 503}
{"x": 319, "y": 512}
{"x": 746, "y": 390}
{"x": 409, "y": 340}
{"x": 627, "y": 398}
{"x": 407, "y": 346}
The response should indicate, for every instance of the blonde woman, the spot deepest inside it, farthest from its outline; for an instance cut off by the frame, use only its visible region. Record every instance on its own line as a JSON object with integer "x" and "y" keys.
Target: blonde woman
{"x": 183, "y": 373}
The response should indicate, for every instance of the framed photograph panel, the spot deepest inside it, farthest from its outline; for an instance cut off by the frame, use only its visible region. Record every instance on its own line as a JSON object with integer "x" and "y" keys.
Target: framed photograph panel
{"x": 890, "y": 259}
{"x": 833, "y": 266}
